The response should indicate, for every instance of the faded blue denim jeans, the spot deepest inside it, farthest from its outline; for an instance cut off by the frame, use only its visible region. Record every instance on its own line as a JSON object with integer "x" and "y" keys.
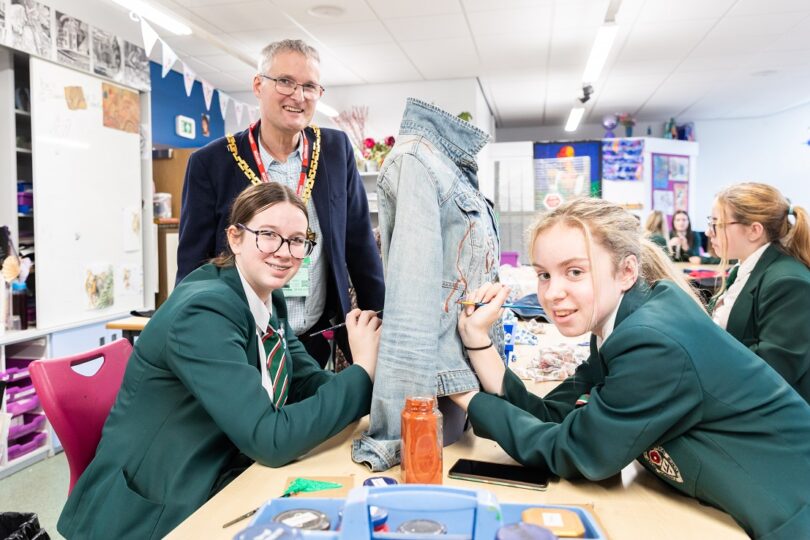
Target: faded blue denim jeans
{"x": 439, "y": 243}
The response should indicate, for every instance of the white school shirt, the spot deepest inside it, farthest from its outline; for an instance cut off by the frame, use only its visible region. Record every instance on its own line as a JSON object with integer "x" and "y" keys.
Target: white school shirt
{"x": 610, "y": 324}
{"x": 261, "y": 315}
{"x": 722, "y": 308}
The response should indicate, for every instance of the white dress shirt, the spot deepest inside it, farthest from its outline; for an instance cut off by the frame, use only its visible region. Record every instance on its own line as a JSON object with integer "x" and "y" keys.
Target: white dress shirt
{"x": 261, "y": 315}
{"x": 722, "y": 308}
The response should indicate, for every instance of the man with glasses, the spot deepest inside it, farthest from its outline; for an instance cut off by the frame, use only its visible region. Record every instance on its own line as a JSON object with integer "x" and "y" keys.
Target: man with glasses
{"x": 317, "y": 163}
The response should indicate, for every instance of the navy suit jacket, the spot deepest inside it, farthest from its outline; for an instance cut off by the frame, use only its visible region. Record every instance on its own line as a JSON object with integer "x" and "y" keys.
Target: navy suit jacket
{"x": 213, "y": 180}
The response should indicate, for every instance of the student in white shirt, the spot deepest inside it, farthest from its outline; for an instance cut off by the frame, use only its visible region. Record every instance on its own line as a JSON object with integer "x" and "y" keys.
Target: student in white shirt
{"x": 765, "y": 303}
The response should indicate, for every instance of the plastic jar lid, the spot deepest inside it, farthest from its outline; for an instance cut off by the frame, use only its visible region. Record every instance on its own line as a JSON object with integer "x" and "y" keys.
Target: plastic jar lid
{"x": 422, "y": 526}
{"x": 524, "y": 531}
{"x": 378, "y": 516}
{"x": 304, "y": 518}
{"x": 379, "y": 481}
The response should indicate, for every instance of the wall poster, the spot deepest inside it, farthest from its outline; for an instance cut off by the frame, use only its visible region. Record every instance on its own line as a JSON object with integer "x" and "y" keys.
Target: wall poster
{"x": 670, "y": 176}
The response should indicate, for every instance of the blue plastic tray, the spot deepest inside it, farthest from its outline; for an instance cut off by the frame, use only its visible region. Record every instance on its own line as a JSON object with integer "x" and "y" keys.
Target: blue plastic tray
{"x": 468, "y": 514}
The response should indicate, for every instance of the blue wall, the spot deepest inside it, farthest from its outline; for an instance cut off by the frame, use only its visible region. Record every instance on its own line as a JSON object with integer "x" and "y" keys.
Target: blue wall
{"x": 169, "y": 100}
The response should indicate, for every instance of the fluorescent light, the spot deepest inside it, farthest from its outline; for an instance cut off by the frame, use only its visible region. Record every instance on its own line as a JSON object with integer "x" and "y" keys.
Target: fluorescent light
{"x": 574, "y": 118}
{"x": 600, "y": 51}
{"x": 160, "y": 18}
{"x": 323, "y": 108}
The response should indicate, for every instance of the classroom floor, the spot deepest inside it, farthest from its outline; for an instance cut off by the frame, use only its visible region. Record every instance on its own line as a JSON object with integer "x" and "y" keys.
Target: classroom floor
{"x": 41, "y": 488}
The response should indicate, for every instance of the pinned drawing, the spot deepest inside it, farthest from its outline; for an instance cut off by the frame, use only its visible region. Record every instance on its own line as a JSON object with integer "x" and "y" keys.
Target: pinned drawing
{"x": 136, "y": 67}
{"x": 72, "y": 41}
{"x": 132, "y": 229}
{"x": 99, "y": 286}
{"x": 108, "y": 56}
{"x": 29, "y": 27}
{"x": 129, "y": 280}
{"x": 74, "y": 96}
{"x": 121, "y": 108}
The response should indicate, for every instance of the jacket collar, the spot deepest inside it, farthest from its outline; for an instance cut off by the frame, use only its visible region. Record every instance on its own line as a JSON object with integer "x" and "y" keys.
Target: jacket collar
{"x": 633, "y": 299}
{"x": 459, "y": 139}
{"x": 741, "y": 311}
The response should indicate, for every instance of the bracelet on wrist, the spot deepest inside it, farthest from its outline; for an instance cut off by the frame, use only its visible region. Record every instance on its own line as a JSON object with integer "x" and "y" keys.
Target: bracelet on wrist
{"x": 479, "y": 348}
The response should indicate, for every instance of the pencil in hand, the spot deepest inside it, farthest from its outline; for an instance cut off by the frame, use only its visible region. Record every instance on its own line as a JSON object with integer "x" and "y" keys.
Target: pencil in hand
{"x": 341, "y": 325}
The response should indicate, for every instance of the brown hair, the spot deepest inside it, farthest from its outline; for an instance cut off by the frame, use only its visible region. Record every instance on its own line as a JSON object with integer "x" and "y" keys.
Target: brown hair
{"x": 252, "y": 201}
{"x": 689, "y": 236}
{"x": 656, "y": 224}
{"x": 752, "y": 202}
{"x": 619, "y": 232}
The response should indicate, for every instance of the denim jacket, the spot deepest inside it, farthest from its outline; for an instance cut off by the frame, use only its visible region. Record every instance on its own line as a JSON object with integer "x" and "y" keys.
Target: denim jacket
{"x": 439, "y": 243}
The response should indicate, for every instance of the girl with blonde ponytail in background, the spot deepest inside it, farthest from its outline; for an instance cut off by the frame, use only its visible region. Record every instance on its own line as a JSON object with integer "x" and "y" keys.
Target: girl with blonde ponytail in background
{"x": 663, "y": 383}
{"x": 765, "y": 302}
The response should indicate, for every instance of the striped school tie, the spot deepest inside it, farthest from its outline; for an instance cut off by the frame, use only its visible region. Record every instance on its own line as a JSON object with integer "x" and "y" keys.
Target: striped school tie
{"x": 274, "y": 348}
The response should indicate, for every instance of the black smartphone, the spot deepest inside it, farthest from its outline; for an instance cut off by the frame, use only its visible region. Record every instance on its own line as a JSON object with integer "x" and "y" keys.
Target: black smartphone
{"x": 500, "y": 474}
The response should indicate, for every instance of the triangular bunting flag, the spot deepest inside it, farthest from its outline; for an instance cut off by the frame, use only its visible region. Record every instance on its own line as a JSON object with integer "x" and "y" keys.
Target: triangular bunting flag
{"x": 169, "y": 58}
{"x": 254, "y": 114}
{"x": 150, "y": 37}
{"x": 208, "y": 93}
{"x": 188, "y": 78}
{"x": 223, "y": 103}
{"x": 240, "y": 108}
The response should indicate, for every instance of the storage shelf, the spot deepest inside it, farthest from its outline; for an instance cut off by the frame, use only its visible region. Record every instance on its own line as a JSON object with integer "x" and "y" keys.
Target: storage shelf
{"x": 22, "y": 112}
{"x": 23, "y": 150}
{"x": 24, "y": 461}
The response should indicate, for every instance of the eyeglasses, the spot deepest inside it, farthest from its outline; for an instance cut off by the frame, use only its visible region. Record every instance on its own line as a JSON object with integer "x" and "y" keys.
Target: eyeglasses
{"x": 269, "y": 242}
{"x": 712, "y": 225}
{"x": 287, "y": 87}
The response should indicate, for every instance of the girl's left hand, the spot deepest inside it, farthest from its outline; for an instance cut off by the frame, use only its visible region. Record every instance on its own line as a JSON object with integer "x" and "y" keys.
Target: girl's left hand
{"x": 474, "y": 323}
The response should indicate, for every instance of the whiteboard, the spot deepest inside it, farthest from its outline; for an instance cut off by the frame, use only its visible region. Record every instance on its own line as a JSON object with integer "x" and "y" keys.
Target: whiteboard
{"x": 87, "y": 196}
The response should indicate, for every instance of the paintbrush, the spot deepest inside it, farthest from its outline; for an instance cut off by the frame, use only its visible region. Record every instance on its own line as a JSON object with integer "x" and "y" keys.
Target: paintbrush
{"x": 511, "y": 306}
{"x": 341, "y": 325}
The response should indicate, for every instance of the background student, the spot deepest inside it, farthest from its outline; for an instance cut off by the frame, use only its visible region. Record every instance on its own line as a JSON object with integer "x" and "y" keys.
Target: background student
{"x": 657, "y": 230}
{"x": 765, "y": 303}
{"x": 217, "y": 380}
{"x": 663, "y": 383}
{"x": 684, "y": 243}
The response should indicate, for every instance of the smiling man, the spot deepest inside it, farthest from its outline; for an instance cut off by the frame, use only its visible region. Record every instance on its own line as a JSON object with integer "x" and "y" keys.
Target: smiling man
{"x": 317, "y": 163}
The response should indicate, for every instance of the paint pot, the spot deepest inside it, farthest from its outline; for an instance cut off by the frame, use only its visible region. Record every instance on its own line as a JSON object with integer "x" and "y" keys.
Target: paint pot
{"x": 274, "y": 531}
{"x": 379, "y": 481}
{"x": 422, "y": 526}
{"x": 524, "y": 531}
{"x": 304, "y": 518}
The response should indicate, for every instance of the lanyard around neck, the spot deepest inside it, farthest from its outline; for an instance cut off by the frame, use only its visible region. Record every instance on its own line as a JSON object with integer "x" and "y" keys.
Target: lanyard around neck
{"x": 302, "y": 177}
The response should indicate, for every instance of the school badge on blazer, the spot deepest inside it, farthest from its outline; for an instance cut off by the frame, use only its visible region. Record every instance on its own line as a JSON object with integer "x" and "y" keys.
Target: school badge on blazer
{"x": 663, "y": 464}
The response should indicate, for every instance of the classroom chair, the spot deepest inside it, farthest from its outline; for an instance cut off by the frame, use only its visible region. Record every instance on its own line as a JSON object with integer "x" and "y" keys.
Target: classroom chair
{"x": 78, "y": 405}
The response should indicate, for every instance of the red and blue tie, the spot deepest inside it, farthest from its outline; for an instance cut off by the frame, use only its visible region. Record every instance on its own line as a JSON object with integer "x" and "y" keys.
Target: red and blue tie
{"x": 275, "y": 351}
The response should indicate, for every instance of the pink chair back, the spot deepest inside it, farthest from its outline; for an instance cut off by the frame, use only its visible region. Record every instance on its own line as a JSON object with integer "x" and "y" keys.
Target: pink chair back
{"x": 77, "y": 405}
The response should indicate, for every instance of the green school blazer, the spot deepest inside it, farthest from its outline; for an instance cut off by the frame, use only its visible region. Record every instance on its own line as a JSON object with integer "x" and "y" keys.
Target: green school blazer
{"x": 192, "y": 412}
{"x": 771, "y": 316}
{"x": 672, "y": 389}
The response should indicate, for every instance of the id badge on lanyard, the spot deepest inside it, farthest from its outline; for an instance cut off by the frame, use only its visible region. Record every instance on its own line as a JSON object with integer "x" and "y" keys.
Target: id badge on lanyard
{"x": 298, "y": 286}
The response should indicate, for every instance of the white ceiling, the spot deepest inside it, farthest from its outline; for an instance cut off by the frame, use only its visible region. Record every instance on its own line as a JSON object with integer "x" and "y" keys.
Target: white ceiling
{"x": 691, "y": 59}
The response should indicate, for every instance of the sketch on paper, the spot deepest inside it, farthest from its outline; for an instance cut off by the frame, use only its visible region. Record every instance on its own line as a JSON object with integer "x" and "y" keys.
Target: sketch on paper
{"x": 131, "y": 227}
{"x": 136, "y": 67}
{"x": 663, "y": 200}
{"x": 681, "y": 196}
{"x": 130, "y": 280}
{"x": 121, "y": 108}
{"x": 2, "y": 22}
{"x": 72, "y": 41}
{"x": 29, "y": 27}
{"x": 99, "y": 286}
{"x": 108, "y": 58}
{"x": 679, "y": 168}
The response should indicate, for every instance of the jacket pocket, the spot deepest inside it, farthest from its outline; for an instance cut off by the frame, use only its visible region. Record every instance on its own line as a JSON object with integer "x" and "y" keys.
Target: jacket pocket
{"x": 127, "y": 513}
{"x": 470, "y": 208}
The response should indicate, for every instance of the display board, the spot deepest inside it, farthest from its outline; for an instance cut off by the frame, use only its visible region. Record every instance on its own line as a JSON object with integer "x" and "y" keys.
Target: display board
{"x": 670, "y": 183}
{"x": 87, "y": 196}
{"x": 565, "y": 170}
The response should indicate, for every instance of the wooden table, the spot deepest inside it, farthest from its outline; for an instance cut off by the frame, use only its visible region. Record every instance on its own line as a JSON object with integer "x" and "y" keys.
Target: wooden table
{"x": 129, "y": 326}
{"x": 631, "y": 505}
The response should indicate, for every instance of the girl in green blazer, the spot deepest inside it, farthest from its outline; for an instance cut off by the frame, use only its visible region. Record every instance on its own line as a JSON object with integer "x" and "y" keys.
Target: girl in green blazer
{"x": 663, "y": 384}
{"x": 218, "y": 380}
{"x": 765, "y": 303}
{"x": 657, "y": 230}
